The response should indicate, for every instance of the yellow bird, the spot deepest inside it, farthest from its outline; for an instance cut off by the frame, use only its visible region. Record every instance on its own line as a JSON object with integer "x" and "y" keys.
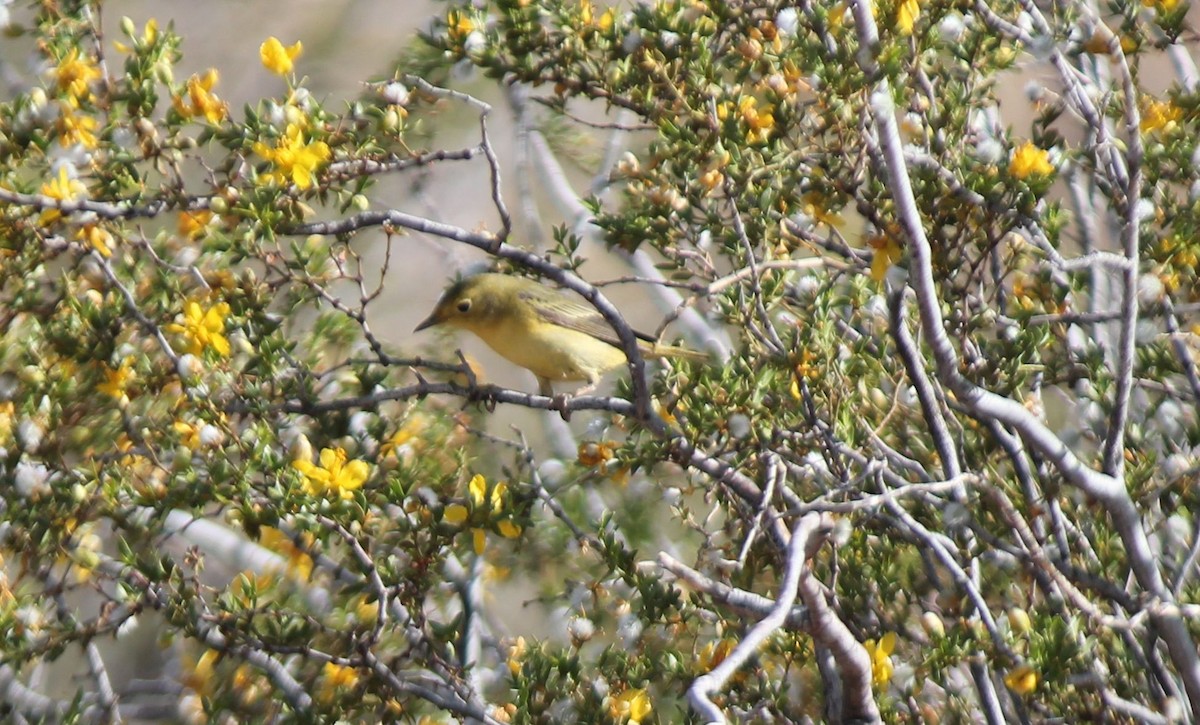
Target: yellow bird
{"x": 541, "y": 329}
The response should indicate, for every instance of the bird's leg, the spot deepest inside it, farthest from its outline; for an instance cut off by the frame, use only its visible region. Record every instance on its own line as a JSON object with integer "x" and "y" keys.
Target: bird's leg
{"x": 560, "y": 401}
{"x": 586, "y": 388}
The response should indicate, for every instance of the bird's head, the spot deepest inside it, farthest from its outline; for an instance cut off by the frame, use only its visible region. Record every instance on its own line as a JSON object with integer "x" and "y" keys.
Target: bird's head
{"x": 470, "y": 302}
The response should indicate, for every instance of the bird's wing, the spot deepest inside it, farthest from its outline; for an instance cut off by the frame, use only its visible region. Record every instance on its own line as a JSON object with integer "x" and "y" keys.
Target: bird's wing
{"x": 558, "y": 309}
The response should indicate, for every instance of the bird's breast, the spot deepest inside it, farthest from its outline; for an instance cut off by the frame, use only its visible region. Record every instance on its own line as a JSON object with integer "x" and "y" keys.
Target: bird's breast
{"x": 550, "y": 351}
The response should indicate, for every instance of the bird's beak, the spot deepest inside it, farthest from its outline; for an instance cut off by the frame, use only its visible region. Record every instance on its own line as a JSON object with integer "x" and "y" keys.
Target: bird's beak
{"x": 427, "y": 322}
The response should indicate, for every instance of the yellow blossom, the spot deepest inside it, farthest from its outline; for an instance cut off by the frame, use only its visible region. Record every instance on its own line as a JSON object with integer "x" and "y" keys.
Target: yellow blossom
{"x": 189, "y": 434}
{"x": 456, "y": 514}
{"x": 477, "y": 487}
{"x": 887, "y": 253}
{"x": 299, "y": 563}
{"x": 713, "y": 654}
{"x": 631, "y": 706}
{"x": 62, "y": 188}
{"x": 499, "y": 492}
{"x": 76, "y": 128}
{"x": 365, "y": 610}
{"x": 149, "y": 35}
{"x": 1029, "y": 160}
{"x": 459, "y": 24}
{"x": 97, "y": 237}
{"x": 906, "y": 16}
{"x": 816, "y": 206}
{"x": 516, "y": 655}
{"x": 115, "y": 381}
{"x": 336, "y": 678}
{"x": 202, "y": 329}
{"x": 1164, "y": 6}
{"x": 407, "y": 432}
{"x": 606, "y": 20}
{"x": 711, "y": 179}
{"x": 593, "y": 454}
{"x": 278, "y": 58}
{"x": 200, "y": 100}
{"x": 1023, "y": 680}
{"x": 761, "y": 123}
{"x": 661, "y": 411}
{"x": 335, "y": 475}
{"x": 193, "y": 223}
{"x": 74, "y": 74}
{"x": 1161, "y": 116}
{"x": 7, "y": 411}
{"x": 200, "y": 674}
{"x": 294, "y": 158}
{"x": 881, "y": 658}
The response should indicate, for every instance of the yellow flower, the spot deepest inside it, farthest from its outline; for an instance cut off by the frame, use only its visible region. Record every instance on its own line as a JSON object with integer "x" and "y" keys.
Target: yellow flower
{"x": 606, "y": 20}
{"x": 1023, "y": 680}
{"x": 459, "y": 24}
{"x": 277, "y": 58}
{"x": 816, "y": 207}
{"x": 713, "y": 654}
{"x": 7, "y": 411}
{"x": 455, "y": 514}
{"x": 477, "y": 488}
{"x": 499, "y": 493}
{"x": 334, "y": 476}
{"x": 887, "y": 253}
{"x": 201, "y": 101}
{"x": 293, "y": 158}
{"x": 200, "y": 674}
{"x": 881, "y": 658}
{"x": 76, "y": 128}
{"x": 97, "y": 238}
{"x": 115, "y": 381}
{"x": 407, "y": 432}
{"x": 336, "y": 678}
{"x": 189, "y": 435}
{"x": 661, "y": 411}
{"x": 1164, "y": 6}
{"x": 299, "y": 565}
{"x": 711, "y": 179}
{"x": 594, "y": 454}
{"x": 508, "y": 529}
{"x": 149, "y": 35}
{"x": 62, "y": 188}
{"x": 761, "y": 123}
{"x": 193, "y": 223}
{"x": 202, "y": 329}
{"x": 906, "y": 16}
{"x": 74, "y": 74}
{"x": 365, "y": 610}
{"x": 1161, "y": 116}
{"x": 516, "y": 655}
{"x": 1029, "y": 160}
{"x": 631, "y": 706}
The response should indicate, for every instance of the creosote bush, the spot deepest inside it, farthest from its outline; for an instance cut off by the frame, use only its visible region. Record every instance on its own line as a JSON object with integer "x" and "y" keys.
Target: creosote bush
{"x": 940, "y": 463}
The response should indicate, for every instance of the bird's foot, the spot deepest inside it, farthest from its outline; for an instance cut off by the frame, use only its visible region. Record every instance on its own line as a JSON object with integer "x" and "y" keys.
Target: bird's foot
{"x": 484, "y": 396}
{"x": 559, "y": 403}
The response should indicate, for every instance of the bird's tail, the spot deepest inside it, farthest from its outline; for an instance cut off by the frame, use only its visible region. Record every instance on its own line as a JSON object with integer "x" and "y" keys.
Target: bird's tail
{"x": 658, "y": 350}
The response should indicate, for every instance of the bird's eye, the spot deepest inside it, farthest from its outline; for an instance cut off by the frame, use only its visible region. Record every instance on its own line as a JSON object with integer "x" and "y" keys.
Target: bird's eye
{"x": 463, "y": 305}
